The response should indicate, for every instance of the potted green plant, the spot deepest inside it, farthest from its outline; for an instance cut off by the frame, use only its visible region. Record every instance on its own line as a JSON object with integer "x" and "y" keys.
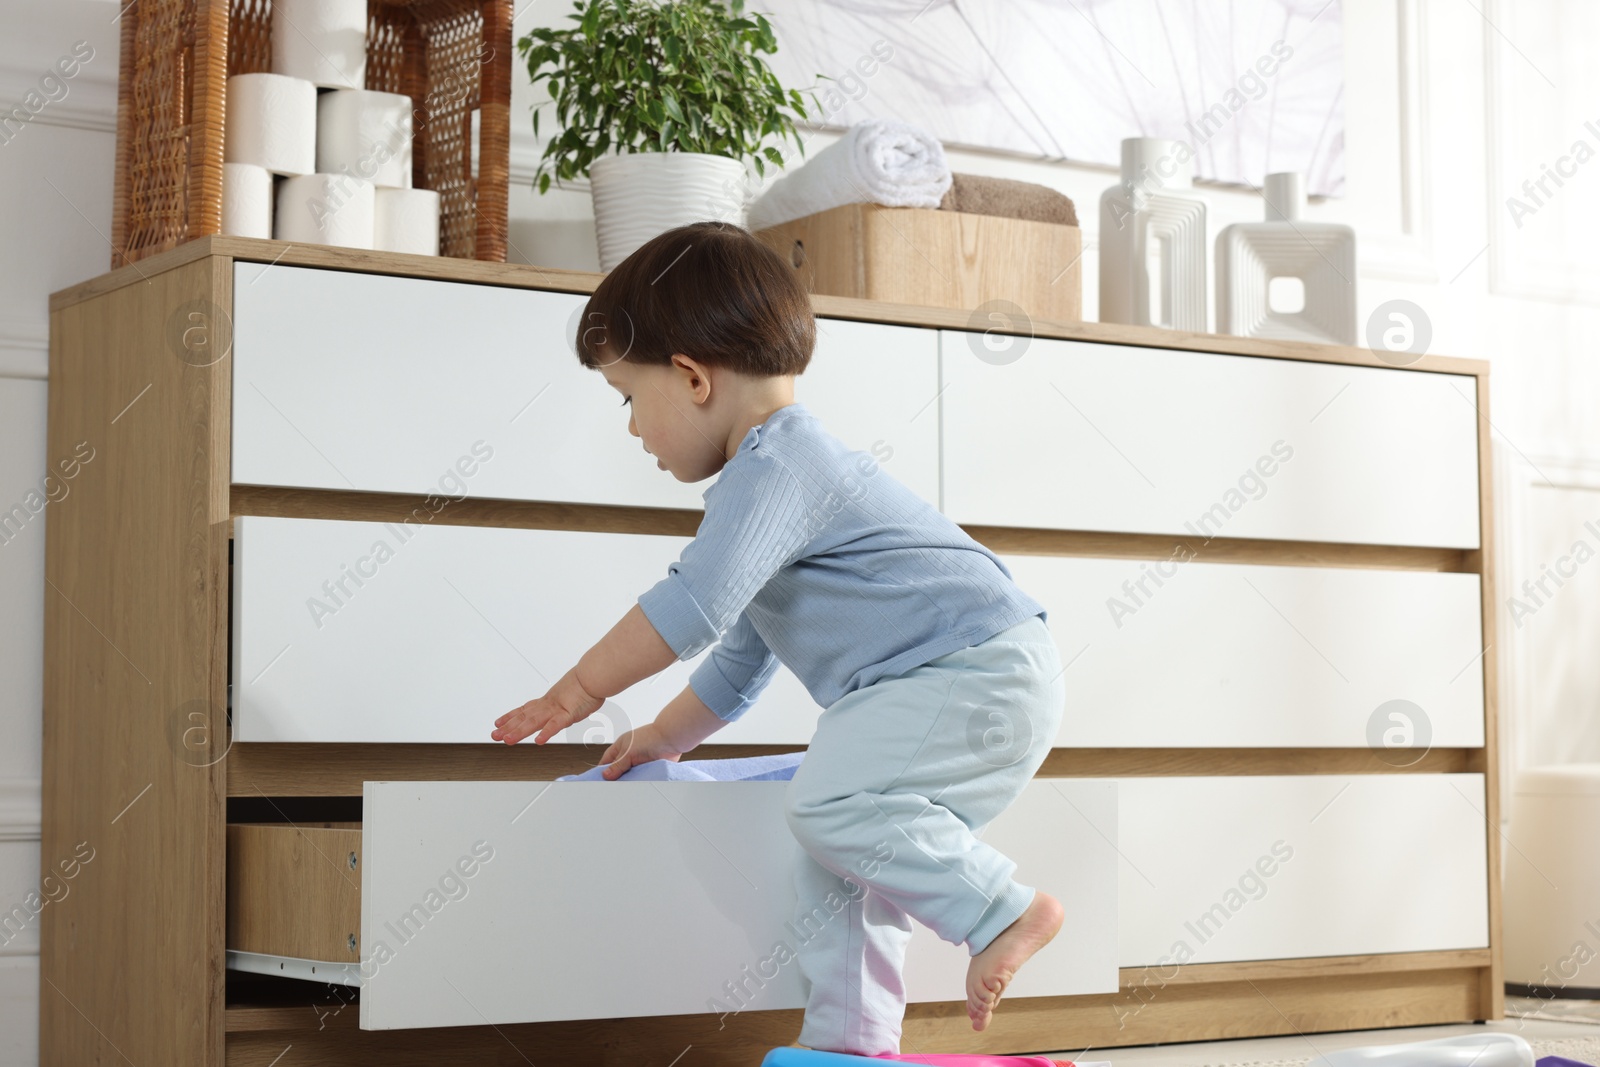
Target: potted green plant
{"x": 660, "y": 104}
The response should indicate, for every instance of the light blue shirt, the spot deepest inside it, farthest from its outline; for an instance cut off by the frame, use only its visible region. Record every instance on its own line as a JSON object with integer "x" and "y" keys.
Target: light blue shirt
{"x": 812, "y": 555}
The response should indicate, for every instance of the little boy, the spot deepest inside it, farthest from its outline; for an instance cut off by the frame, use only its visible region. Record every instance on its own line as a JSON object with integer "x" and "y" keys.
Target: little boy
{"x": 940, "y": 682}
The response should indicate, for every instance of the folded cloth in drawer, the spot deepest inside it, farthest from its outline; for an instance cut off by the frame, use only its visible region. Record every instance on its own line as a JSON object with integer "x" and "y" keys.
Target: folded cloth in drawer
{"x": 979, "y": 194}
{"x": 778, "y": 768}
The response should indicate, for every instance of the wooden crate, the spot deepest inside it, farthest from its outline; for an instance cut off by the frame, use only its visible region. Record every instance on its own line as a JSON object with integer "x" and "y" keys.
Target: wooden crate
{"x": 932, "y": 258}
{"x": 452, "y": 57}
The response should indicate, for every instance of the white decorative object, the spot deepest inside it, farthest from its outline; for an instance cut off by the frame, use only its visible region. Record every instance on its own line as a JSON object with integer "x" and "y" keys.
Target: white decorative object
{"x": 1153, "y": 240}
{"x": 246, "y": 200}
{"x": 325, "y": 209}
{"x": 272, "y": 123}
{"x": 323, "y": 41}
{"x": 366, "y": 134}
{"x": 879, "y": 161}
{"x": 638, "y": 195}
{"x": 406, "y": 220}
{"x": 1317, "y": 258}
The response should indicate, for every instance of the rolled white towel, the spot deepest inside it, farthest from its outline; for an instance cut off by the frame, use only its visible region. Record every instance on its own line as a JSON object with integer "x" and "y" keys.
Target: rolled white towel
{"x": 877, "y": 161}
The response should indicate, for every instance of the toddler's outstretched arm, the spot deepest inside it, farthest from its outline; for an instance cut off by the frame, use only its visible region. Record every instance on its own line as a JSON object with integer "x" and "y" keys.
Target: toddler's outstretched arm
{"x": 681, "y": 726}
{"x": 630, "y": 651}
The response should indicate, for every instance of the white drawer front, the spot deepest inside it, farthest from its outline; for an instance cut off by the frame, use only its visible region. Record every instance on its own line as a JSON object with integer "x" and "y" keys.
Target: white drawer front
{"x": 623, "y": 899}
{"x": 875, "y": 387}
{"x": 1258, "y": 868}
{"x": 1087, "y": 436}
{"x": 1253, "y": 656}
{"x": 346, "y": 380}
{"x": 448, "y": 628}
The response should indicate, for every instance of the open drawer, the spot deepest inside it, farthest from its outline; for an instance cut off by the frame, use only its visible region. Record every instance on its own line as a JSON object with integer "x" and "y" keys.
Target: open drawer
{"x": 475, "y": 903}
{"x": 294, "y": 900}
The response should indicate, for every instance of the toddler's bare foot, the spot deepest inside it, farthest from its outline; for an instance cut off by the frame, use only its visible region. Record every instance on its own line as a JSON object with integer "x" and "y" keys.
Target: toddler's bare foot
{"x": 992, "y": 969}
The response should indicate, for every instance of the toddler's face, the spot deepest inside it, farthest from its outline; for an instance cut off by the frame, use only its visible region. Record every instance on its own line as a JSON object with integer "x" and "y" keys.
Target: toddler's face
{"x": 664, "y": 415}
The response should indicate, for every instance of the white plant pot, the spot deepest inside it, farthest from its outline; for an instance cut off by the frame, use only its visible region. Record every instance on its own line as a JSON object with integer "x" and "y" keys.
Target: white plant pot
{"x": 642, "y": 194}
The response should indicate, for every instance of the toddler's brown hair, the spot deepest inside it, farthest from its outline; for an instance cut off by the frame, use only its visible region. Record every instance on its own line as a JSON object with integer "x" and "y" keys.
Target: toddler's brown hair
{"x": 711, "y": 290}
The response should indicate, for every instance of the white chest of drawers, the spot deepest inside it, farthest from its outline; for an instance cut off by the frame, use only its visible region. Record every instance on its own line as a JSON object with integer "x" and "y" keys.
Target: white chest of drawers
{"x": 1255, "y": 555}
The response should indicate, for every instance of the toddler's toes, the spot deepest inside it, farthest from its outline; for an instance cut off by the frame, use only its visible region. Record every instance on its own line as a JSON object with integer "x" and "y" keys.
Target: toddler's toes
{"x": 992, "y": 969}
{"x": 982, "y": 999}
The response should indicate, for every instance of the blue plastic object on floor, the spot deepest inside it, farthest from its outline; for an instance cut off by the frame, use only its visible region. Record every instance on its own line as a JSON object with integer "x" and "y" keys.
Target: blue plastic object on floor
{"x": 1559, "y": 1061}
{"x": 807, "y": 1057}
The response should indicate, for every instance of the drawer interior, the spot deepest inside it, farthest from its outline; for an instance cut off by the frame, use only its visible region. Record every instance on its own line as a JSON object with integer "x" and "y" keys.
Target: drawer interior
{"x": 294, "y": 889}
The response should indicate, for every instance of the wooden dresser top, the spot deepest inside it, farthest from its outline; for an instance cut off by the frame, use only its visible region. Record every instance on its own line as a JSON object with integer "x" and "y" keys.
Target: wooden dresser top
{"x": 516, "y": 275}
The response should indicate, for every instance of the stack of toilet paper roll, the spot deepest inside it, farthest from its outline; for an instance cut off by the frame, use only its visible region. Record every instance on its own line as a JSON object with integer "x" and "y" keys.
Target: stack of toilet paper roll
{"x": 312, "y": 157}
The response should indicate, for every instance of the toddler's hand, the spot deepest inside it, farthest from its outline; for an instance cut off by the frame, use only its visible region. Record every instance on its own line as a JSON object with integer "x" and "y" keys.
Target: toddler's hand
{"x": 549, "y": 715}
{"x": 639, "y": 745}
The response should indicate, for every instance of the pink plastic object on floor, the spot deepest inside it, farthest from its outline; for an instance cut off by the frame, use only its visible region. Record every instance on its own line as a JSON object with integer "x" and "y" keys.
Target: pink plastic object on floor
{"x": 963, "y": 1059}
{"x": 805, "y": 1057}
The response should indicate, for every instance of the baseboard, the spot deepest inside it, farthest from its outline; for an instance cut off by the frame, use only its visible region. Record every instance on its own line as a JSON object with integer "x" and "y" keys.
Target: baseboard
{"x": 20, "y": 809}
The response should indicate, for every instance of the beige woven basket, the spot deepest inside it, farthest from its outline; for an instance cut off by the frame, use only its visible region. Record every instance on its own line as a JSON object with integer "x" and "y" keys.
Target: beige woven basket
{"x": 450, "y": 56}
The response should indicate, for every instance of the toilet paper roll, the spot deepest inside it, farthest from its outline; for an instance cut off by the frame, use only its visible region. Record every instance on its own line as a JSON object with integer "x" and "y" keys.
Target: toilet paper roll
{"x": 323, "y": 41}
{"x": 407, "y": 220}
{"x": 272, "y": 123}
{"x": 246, "y": 200}
{"x": 367, "y": 134}
{"x": 326, "y": 209}
{"x": 477, "y": 130}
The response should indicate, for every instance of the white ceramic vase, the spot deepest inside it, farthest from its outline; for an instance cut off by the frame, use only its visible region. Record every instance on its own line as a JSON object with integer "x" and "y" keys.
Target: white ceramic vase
{"x": 1321, "y": 255}
{"x": 1153, "y": 240}
{"x": 641, "y": 194}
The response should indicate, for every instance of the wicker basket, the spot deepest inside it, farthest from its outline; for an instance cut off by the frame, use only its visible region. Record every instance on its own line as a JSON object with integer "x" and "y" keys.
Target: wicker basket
{"x": 178, "y": 54}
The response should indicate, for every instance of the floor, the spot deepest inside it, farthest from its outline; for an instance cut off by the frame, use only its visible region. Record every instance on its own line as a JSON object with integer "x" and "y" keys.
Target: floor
{"x": 1575, "y": 1038}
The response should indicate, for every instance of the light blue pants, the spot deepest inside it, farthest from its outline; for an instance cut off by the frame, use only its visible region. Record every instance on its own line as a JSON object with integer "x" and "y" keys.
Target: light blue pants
{"x": 896, "y": 779}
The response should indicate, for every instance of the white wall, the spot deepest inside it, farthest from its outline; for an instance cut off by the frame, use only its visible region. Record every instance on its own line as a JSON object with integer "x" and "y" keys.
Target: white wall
{"x": 1447, "y": 112}
{"x": 55, "y": 225}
